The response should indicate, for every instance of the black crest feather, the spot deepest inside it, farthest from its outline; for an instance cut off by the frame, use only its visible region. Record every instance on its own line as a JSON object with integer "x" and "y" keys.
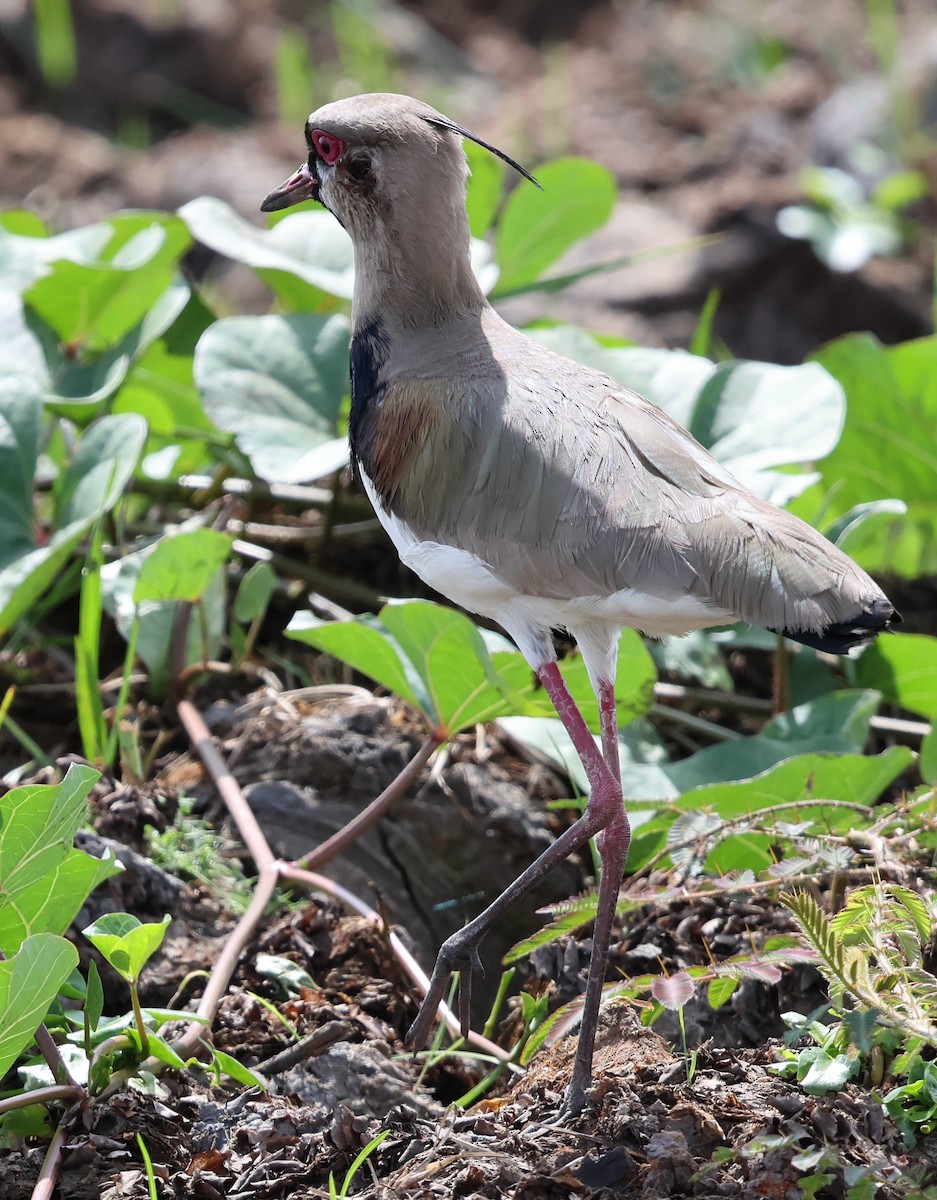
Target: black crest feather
{"x": 445, "y": 123}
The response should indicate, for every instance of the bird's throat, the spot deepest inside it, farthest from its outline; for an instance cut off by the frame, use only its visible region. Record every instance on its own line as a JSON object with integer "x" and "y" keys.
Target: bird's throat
{"x": 412, "y": 273}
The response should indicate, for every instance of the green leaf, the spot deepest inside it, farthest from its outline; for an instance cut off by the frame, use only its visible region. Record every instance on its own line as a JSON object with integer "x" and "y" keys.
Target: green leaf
{"x": 277, "y": 384}
{"x": 441, "y": 663}
{"x": 433, "y": 657}
{"x": 29, "y": 982}
{"x": 808, "y": 777}
{"x": 100, "y": 468}
{"x": 50, "y": 904}
{"x": 72, "y": 381}
{"x": 230, "y": 1066}
{"x": 306, "y": 247}
{"x": 720, "y": 991}
{"x": 755, "y": 415}
{"x": 904, "y": 669}
{"x": 38, "y": 823}
{"x": 156, "y": 618}
{"x": 827, "y": 1074}
{"x": 161, "y": 388}
{"x": 886, "y": 449}
{"x": 853, "y": 530}
{"x": 842, "y": 717}
{"x": 96, "y": 305}
{"x": 254, "y": 592}
{"x": 182, "y": 566}
{"x": 20, "y": 431}
{"x": 366, "y": 648}
{"x": 450, "y": 657}
{"x": 581, "y": 912}
{"x": 899, "y": 189}
{"x": 537, "y": 228}
{"x": 26, "y": 257}
{"x": 162, "y": 1050}
{"x": 485, "y": 186}
{"x": 94, "y": 998}
{"x": 126, "y": 942}
{"x": 94, "y": 480}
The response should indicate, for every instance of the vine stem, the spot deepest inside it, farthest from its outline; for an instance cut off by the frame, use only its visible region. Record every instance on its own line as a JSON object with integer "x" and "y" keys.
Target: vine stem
{"x": 47, "y": 1180}
{"x": 272, "y": 870}
{"x": 46, "y": 1095}
{"x": 369, "y": 816}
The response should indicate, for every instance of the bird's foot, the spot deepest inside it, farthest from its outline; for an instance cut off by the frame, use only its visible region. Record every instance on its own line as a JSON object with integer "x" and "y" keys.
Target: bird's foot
{"x": 457, "y": 953}
{"x": 574, "y": 1104}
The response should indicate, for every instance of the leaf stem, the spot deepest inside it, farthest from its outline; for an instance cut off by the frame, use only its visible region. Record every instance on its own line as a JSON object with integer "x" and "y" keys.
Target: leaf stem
{"x": 369, "y": 816}
{"x": 138, "y": 1018}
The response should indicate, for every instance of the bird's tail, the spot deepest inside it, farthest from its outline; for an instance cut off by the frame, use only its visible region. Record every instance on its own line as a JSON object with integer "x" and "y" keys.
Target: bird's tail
{"x": 840, "y": 637}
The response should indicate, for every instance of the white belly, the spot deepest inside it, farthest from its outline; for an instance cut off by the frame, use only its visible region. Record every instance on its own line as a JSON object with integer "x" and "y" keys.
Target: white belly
{"x": 470, "y": 582}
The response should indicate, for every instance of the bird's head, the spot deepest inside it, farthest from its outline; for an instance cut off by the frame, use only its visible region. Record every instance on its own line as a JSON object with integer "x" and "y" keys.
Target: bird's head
{"x": 373, "y": 154}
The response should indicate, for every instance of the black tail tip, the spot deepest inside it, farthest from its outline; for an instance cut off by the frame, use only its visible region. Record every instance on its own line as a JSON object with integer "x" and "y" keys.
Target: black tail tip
{"x": 840, "y": 638}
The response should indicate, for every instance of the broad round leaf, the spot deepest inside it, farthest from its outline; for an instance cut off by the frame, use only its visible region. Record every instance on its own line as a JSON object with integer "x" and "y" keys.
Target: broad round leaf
{"x": 29, "y": 982}
{"x": 20, "y": 430}
{"x": 887, "y": 448}
{"x": 311, "y": 246}
{"x": 538, "y": 227}
{"x": 904, "y": 669}
{"x": 757, "y": 415}
{"x": 25, "y": 259}
{"x": 182, "y": 566}
{"x": 277, "y": 384}
{"x": 101, "y": 467}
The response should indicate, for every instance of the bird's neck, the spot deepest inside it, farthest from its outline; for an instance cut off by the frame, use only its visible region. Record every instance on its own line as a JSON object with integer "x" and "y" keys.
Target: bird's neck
{"x": 415, "y": 272}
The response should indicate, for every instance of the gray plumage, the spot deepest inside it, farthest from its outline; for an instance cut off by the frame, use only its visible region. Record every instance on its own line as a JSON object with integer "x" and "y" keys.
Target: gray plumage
{"x": 534, "y": 490}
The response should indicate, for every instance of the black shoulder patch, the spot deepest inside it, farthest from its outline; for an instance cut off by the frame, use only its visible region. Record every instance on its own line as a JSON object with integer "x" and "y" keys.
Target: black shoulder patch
{"x": 368, "y": 352}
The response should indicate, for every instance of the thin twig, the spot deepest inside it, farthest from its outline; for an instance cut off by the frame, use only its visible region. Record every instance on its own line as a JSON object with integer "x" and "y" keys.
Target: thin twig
{"x": 755, "y": 704}
{"x": 718, "y": 733}
{"x": 273, "y": 870}
{"x": 57, "y": 1065}
{"x": 412, "y": 968}
{"x": 369, "y": 816}
{"x": 46, "y": 1095}
{"x": 308, "y": 1047}
{"x": 47, "y": 1181}
{"x": 226, "y": 784}
{"x": 322, "y": 581}
{"x": 226, "y": 962}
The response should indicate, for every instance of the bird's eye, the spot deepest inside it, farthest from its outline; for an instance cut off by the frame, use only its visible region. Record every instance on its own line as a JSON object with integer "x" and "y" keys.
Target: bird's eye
{"x": 328, "y": 147}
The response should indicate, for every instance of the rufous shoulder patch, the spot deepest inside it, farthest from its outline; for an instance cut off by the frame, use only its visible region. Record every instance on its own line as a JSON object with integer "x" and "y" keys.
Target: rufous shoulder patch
{"x": 405, "y": 420}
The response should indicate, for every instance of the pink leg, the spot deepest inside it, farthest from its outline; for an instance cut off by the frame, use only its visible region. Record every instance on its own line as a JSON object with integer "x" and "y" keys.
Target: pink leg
{"x": 608, "y": 719}
{"x": 604, "y": 815}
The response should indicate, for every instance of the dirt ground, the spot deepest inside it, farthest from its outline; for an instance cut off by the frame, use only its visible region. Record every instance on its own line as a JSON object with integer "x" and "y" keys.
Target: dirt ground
{"x": 675, "y": 99}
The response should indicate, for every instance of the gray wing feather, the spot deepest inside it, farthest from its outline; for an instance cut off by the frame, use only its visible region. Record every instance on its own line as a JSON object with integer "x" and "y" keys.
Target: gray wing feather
{"x": 569, "y": 485}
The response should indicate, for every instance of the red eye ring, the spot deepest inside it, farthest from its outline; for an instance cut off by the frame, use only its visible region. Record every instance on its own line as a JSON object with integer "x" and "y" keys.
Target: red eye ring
{"x": 328, "y": 147}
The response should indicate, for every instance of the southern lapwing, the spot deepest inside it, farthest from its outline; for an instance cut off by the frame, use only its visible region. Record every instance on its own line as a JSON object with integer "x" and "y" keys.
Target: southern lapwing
{"x": 535, "y": 491}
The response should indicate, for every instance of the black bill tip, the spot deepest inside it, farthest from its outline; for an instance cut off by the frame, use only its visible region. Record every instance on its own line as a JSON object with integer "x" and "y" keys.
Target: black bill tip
{"x": 299, "y": 187}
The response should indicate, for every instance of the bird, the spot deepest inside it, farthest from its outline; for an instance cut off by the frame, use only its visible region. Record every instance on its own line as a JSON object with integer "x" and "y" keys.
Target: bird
{"x": 535, "y": 491}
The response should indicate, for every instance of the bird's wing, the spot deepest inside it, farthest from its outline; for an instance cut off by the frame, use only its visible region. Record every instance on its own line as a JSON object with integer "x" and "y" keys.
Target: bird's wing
{"x": 569, "y": 485}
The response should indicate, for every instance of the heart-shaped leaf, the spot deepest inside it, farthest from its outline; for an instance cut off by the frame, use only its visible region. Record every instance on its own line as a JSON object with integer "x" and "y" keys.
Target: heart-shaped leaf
{"x": 277, "y": 384}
